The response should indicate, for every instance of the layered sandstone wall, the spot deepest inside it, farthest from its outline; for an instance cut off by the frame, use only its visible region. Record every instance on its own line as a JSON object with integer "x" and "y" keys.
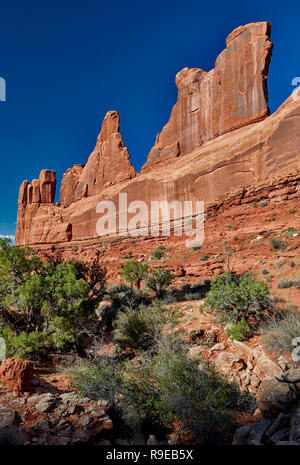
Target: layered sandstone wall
{"x": 221, "y": 154}
{"x": 228, "y": 97}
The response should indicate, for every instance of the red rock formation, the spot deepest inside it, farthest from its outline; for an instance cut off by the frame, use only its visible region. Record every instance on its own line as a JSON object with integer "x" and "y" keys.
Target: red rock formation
{"x": 38, "y": 218}
{"x": 234, "y": 157}
{"x": 16, "y": 373}
{"x": 108, "y": 164}
{"x": 228, "y": 97}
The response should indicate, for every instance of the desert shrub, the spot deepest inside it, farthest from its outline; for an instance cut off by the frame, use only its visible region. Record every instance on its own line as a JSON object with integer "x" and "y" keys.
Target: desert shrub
{"x": 277, "y": 243}
{"x": 134, "y": 272}
{"x": 184, "y": 287}
{"x": 279, "y": 331}
{"x": 168, "y": 299}
{"x": 163, "y": 388}
{"x": 264, "y": 204}
{"x": 140, "y": 328}
{"x": 204, "y": 257}
{"x": 123, "y": 296}
{"x": 280, "y": 264}
{"x": 193, "y": 296}
{"x": 285, "y": 283}
{"x": 170, "y": 387}
{"x": 291, "y": 231}
{"x": 158, "y": 280}
{"x": 239, "y": 331}
{"x": 234, "y": 297}
{"x": 128, "y": 255}
{"x": 265, "y": 271}
{"x": 99, "y": 379}
{"x": 158, "y": 253}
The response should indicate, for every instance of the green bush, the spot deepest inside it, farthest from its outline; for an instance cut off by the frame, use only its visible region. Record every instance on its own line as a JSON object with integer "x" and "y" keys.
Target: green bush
{"x": 56, "y": 299}
{"x": 239, "y": 331}
{"x": 165, "y": 388}
{"x": 170, "y": 387}
{"x": 234, "y": 297}
{"x": 25, "y": 345}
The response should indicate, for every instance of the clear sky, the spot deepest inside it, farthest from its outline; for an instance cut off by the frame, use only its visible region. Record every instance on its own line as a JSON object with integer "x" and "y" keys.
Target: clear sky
{"x": 66, "y": 63}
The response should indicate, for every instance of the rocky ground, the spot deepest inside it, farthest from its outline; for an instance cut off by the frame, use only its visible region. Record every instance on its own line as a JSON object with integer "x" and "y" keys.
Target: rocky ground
{"x": 238, "y": 234}
{"x": 238, "y": 231}
{"x": 47, "y": 410}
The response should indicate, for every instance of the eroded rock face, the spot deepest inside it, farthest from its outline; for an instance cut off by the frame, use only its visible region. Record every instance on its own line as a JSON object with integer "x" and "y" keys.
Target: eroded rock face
{"x": 108, "y": 164}
{"x": 228, "y": 97}
{"x": 209, "y": 169}
{"x": 16, "y": 373}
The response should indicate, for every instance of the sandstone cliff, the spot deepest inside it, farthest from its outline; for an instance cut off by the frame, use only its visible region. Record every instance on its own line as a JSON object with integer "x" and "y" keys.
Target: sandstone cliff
{"x": 230, "y": 96}
{"x": 207, "y": 149}
{"x": 108, "y": 164}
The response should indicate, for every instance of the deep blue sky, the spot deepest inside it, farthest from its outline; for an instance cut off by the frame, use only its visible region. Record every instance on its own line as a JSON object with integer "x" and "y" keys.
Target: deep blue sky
{"x": 66, "y": 63}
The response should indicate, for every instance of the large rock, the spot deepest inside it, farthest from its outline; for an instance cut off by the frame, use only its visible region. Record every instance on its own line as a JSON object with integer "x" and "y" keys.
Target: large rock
{"x": 228, "y": 97}
{"x": 7, "y": 416}
{"x": 10, "y": 434}
{"x": 16, "y": 373}
{"x": 275, "y": 397}
{"x": 228, "y": 363}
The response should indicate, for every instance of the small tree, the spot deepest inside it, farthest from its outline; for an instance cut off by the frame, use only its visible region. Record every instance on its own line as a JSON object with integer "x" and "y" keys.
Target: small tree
{"x": 134, "y": 272}
{"x": 158, "y": 280}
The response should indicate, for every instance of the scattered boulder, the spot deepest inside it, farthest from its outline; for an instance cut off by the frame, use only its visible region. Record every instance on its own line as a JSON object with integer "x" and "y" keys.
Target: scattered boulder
{"x": 258, "y": 430}
{"x": 275, "y": 397}
{"x": 9, "y": 432}
{"x": 227, "y": 362}
{"x": 17, "y": 374}
{"x": 7, "y": 416}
